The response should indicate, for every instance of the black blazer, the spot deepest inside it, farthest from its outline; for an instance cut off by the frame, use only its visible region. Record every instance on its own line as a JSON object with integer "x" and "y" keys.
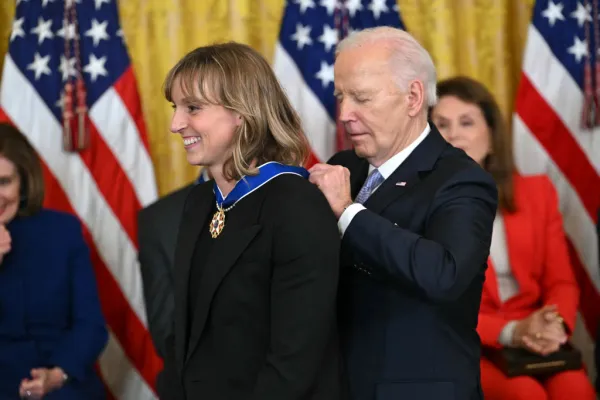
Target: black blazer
{"x": 414, "y": 265}
{"x": 265, "y": 320}
{"x": 158, "y": 225}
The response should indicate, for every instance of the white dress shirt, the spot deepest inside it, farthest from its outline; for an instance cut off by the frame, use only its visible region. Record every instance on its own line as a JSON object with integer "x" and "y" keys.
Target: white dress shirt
{"x": 507, "y": 284}
{"x": 386, "y": 169}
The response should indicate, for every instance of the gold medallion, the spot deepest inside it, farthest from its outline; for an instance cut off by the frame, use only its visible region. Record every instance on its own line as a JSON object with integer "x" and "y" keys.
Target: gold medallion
{"x": 218, "y": 223}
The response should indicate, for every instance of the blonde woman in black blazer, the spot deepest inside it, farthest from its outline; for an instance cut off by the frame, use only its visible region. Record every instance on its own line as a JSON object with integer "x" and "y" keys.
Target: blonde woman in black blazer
{"x": 256, "y": 265}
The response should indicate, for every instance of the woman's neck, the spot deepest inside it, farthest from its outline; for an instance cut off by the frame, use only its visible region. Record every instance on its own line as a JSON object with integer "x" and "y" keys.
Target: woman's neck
{"x": 225, "y": 185}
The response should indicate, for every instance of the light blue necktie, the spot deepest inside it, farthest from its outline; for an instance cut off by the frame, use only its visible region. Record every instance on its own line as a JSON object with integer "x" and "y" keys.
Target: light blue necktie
{"x": 375, "y": 179}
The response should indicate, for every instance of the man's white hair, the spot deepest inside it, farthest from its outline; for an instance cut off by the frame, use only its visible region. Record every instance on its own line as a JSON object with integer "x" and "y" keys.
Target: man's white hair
{"x": 409, "y": 60}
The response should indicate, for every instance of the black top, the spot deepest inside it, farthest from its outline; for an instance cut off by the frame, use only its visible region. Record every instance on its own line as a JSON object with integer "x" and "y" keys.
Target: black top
{"x": 201, "y": 255}
{"x": 263, "y": 323}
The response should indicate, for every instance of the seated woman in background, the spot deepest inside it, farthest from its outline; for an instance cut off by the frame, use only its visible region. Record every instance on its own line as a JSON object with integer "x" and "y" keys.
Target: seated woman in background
{"x": 530, "y": 296}
{"x": 51, "y": 326}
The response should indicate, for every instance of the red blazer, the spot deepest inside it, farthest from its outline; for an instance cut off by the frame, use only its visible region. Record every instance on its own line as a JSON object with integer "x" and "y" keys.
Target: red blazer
{"x": 539, "y": 261}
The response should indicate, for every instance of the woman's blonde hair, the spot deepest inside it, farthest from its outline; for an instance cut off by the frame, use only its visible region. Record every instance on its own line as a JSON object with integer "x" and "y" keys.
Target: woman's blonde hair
{"x": 237, "y": 77}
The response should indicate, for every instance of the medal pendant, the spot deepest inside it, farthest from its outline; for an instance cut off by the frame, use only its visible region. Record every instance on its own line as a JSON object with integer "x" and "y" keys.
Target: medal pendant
{"x": 218, "y": 223}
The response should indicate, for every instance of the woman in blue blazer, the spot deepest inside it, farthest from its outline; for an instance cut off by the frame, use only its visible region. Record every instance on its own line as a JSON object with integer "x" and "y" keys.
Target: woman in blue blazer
{"x": 51, "y": 325}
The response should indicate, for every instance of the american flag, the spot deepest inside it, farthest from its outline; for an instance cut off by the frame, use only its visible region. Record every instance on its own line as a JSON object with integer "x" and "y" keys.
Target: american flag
{"x": 552, "y": 136}
{"x": 304, "y": 56}
{"x": 106, "y": 183}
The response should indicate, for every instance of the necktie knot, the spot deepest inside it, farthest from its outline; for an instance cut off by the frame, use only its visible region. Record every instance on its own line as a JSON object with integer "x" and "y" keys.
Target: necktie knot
{"x": 373, "y": 181}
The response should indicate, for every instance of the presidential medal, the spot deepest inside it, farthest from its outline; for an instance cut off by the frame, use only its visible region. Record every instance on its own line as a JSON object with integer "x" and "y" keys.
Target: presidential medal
{"x": 218, "y": 223}
{"x": 244, "y": 187}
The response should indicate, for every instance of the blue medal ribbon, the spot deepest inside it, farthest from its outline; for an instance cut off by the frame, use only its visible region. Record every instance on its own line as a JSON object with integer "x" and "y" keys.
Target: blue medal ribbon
{"x": 249, "y": 184}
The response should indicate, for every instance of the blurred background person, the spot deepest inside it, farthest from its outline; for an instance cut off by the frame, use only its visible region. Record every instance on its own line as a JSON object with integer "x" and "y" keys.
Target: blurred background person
{"x": 158, "y": 225}
{"x": 51, "y": 326}
{"x": 530, "y": 295}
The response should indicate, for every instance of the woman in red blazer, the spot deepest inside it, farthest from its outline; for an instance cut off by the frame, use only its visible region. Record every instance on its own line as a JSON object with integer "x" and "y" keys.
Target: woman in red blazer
{"x": 530, "y": 296}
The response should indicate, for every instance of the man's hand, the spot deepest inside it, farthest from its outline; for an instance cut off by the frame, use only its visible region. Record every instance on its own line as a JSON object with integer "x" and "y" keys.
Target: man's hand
{"x": 5, "y": 242}
{"x": 542, "y": 332}
{"x": 334, "y": 182}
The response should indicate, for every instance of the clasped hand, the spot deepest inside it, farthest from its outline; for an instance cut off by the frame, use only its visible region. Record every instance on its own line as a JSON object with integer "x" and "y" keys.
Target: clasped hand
{"x": 542, "y": 332}
{"x": 42, "y": 382}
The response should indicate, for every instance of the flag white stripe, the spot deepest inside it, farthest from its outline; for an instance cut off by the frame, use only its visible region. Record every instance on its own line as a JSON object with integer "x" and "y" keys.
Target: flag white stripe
{"x": 318, "y": 126}
{"x": 532, "y": 158}
{"x": 120, "y": 376}
{"x": 561, "y": 92}
{"x": 19, "y": 99}
{"x": 122, "y": 137}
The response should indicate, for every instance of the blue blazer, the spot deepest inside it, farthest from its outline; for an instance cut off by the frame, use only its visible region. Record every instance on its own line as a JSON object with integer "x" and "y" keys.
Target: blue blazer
{"x": 413, "y": 269}
{"x": 49, "y": 308}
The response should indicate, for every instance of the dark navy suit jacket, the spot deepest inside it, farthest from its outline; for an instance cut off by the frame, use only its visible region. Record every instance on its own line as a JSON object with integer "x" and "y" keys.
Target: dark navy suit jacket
{"x": 413, "y": 269}
{"x": 49, "y": 309}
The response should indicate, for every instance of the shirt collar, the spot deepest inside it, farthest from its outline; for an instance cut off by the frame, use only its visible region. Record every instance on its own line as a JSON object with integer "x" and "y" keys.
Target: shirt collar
{"x": 387, "y": 168}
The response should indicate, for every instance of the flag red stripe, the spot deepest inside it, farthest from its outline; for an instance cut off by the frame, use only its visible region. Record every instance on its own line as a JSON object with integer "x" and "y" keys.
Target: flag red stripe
{"x": 126, "y": 87}
{"x": 558, "y": 141}
{"x": 112, "y": 182}
{"x": 312, "y": 160}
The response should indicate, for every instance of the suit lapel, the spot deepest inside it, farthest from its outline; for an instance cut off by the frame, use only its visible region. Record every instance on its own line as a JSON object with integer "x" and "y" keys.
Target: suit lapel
{"x": 358, "y": 175}
{"x": 193, "y": 220}
{"x": 395, "y": 186}
{"x": 234, "y": 239}
{"x": 408, "y": 174}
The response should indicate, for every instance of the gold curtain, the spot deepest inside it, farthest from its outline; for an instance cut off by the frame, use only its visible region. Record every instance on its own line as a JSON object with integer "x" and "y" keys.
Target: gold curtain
{"x": 480, "y": 38}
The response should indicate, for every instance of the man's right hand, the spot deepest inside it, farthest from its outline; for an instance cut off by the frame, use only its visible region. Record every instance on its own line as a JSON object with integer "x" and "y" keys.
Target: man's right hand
{"x": 5, "y": 242}
{"x": 538, "y": 334}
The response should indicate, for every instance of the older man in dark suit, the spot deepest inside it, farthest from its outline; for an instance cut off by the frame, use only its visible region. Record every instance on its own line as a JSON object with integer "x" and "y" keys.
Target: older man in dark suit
{"x": 416, "y": 217}
{"x": 158, "y": 225}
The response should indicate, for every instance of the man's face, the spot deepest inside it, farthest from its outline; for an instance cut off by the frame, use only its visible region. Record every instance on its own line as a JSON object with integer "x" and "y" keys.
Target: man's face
{"x": 372, "y": 108}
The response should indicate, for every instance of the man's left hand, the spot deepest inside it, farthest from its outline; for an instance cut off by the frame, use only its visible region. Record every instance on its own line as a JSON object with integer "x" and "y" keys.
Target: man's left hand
{"x": 334, "y": 182}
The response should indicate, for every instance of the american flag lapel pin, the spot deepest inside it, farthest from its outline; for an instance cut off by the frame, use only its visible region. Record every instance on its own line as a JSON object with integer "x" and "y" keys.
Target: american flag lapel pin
{"x": 401, "y": 183}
